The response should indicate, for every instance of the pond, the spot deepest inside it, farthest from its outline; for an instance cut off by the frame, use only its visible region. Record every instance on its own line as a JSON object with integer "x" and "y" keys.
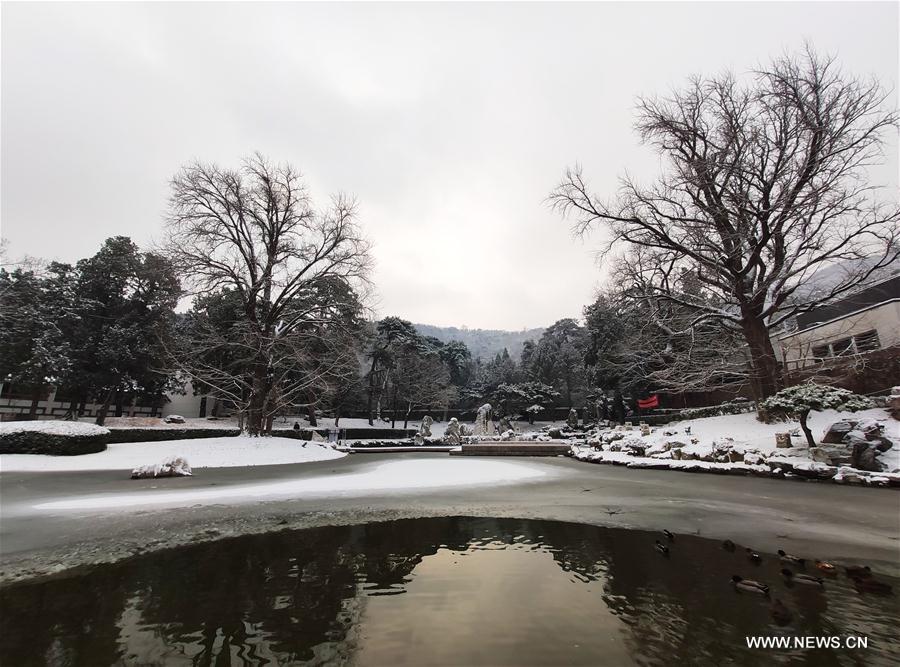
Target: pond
{"x": 442, "y": 591}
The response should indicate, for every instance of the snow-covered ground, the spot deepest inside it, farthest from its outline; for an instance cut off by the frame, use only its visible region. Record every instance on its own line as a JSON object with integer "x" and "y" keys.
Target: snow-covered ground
{"x": 228, "y": 452}
{"x": 391, "y": 477}
{"x": 748, "y": 443}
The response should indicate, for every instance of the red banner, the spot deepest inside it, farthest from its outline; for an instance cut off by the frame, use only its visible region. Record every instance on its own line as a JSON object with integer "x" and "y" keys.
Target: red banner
{"x": 645, "y": 403}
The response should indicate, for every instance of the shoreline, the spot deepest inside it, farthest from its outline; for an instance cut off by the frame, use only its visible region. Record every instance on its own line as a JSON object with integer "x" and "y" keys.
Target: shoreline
{"x": 845, "y": 524}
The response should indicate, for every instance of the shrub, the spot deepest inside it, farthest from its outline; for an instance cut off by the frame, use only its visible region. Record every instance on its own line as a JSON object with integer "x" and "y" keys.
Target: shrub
{"x": 117, "y": 435}
{"x": 58, "y": 438}
{"x": 732, "y": 408}
{"x": 798, "y": 401}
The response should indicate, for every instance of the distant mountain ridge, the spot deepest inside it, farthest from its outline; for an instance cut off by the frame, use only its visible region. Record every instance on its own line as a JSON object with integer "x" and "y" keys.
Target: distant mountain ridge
{"x": 483, "y": 343}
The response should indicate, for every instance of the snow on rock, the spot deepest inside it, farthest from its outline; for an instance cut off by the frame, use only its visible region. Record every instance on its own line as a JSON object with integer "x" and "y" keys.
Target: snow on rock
{"x": 740, "y": 444}
{"x": 174, "y": 466}
{"x": 227, "y": 452}
{"x": 54, "y": 427}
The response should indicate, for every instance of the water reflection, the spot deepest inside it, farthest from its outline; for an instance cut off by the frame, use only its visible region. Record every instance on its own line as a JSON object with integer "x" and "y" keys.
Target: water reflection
{"x": 433, "y": 591}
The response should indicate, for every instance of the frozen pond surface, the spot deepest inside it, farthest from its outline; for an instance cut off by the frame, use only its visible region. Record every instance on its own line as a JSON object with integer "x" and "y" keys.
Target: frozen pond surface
{"x": 448, "y": 591}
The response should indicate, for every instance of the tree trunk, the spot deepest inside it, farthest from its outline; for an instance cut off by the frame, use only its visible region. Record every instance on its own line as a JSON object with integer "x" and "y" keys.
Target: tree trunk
{"x": 394, "y": 410}
{"x": 104, "y": 408}
{"x": 337, "y": 415}
{"x": 765, "y": 377}
{"x": 120, "y": 400}
{"x": 35, "y": 400}
{"x": 371, "y": 400}
{"x": 72, "y": 411}
{"x": 805, "y": 427}
{"x": 255, "y": 417}
{"x": 311, "y": 414}
{"x": 408, "y": 410}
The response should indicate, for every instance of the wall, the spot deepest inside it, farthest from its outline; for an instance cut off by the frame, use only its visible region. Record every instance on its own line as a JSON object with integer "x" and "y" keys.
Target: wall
{"x": 884, "y": 318}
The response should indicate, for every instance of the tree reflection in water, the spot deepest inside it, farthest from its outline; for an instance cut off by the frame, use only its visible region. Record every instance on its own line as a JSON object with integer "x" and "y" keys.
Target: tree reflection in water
{"x": 308, "y": 596}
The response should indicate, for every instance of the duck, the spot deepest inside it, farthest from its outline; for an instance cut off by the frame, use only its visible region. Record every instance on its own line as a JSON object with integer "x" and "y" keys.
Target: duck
{"x": 788, "y": 558}
{"x": 669, "y": 535}
{"x": 661, "y": 548}
{"x": 753, "y": 557}
{"x": 858, "y": 571}
{"x": 780, "y": 613}
{"x": 749, "y": 585}
{"x": 805, "y": 579}
{"x": 870, "y": 585}
{"x": 728, "y": 545}
{"x": 826, "y": 568}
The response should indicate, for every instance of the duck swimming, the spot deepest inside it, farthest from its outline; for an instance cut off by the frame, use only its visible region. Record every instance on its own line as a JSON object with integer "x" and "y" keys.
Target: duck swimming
{"x": 788, "y": 558}
{"x": 805, "y": 579}
{"x": 872, "y": 586}
{"x": 661, "y": 548}
{"x": 780, "y": 613}
{"x": 826, "y": 568}
{"x": 858, "y": 571}
{"x": 728, "y": 545}
{"x": 753, "y": 557}
{"x": 669, "y": 535}
{"x": 749, "y": 585}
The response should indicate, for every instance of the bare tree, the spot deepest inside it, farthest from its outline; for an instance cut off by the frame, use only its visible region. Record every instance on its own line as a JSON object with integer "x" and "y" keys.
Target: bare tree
{"x": 765, "y": 188}
{"x": 293, "y": 270}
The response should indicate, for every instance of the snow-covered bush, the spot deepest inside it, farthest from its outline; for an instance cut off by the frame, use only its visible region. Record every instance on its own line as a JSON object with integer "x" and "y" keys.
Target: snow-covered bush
{"x": 732, "y": 408}
{"x": 61, "y": 438}
{"x": 798, "y": 401}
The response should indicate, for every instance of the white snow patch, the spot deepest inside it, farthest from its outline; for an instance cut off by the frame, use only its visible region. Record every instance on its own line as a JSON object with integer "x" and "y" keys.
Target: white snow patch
{"x": 395, "y": 476}
{"x": 227, "y": 452}
{"x": 53, "y": 427}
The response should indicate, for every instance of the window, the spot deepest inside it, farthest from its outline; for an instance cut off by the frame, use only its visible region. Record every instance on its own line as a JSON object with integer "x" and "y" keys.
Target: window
{"x": 867, "y": 341}
{"x": 821, "y": 351}
{"x": 842, "y": 347}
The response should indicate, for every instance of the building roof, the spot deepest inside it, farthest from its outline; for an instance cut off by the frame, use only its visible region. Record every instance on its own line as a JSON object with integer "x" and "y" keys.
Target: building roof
{"x": 885, "y": 290}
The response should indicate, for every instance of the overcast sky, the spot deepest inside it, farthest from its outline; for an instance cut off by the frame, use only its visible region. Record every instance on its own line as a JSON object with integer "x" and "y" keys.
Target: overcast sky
{"x": 450, "y": 123}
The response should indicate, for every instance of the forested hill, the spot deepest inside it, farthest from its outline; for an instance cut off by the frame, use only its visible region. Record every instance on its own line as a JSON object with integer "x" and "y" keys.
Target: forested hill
{"x": 484, "y": 343}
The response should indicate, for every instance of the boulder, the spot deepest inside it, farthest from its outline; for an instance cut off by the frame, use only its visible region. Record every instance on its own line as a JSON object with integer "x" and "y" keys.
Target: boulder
{"x": 173, "y": 419}
{"x": 835, "y": 433}
{"x": 174, "y": 466}
{"x": 453, "y": 433}
{"x": 834, "y": 455}
{"x": 864, "y": 457}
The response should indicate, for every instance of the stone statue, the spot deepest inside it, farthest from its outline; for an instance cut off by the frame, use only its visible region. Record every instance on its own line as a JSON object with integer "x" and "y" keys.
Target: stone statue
{"x": 505, "y": 425}
{"x": 572, "y": 419}
{"x": 484, "y": 424}
{"x": 425, "y": 427}
{"x": 453, "y": 434}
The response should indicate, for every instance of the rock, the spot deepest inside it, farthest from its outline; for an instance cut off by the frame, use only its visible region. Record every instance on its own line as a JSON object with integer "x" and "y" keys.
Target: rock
{"x": 882, "y": 444}
{"x": 484, "y": 424}
{"x": 735, "y": 456}
{"x": 174, "y": 466}
{"x": 783, "y": 440}
{"x": 572, "y": 419}
{"x": 418, "y": 439}
{"x": 834, "y": 455}
{"x": 753, "y": 459}
{"x": 174, "y": 419}
{"x": 315, "y": 436}
{"x": 864, "y": 456}
{"x": 453, "y": 434}
{"x": 509, "y": 434}
{"x": 505, "y": 425}
{"x": 848, "y": 476}
{"x": 835, "y": 433}
{"x": 555, "y": 433}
